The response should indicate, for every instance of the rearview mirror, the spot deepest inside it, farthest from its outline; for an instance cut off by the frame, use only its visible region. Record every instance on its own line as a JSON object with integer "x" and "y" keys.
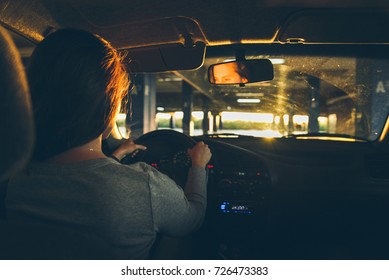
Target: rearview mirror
{"x": 241, "y": 72}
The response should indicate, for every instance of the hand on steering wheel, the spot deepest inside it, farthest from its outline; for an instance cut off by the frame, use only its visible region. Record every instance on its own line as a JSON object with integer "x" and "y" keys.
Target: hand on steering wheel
{"x": 126, "y": 148}
{"x": 200, "y": 154}
{"x": 171, "y": 152}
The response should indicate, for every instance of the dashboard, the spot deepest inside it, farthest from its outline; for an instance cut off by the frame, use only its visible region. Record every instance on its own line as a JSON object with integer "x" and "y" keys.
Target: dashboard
{"x": 239, "y": 185}
{"x": 239, "y": 182}
{"x": 295, "y": 199}
{"x": 285, "y": 198}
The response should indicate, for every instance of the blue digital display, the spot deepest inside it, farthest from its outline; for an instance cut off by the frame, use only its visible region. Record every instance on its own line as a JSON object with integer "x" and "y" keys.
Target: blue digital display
{"x": 236, "y": 208}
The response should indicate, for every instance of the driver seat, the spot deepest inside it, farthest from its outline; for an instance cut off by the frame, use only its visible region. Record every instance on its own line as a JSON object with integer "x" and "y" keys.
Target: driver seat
{"x": 29, "y": 240}
{"x": 15, "y": 114}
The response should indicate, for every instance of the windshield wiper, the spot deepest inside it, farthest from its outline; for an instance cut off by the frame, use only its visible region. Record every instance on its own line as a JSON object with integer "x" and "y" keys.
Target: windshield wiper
{"x": 325, "y": 134}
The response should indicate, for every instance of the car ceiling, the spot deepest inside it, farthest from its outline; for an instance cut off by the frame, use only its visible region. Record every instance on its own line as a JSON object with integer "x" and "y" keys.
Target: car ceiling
{"x": 141, "y": 23}
{"x": 137, "y": 23}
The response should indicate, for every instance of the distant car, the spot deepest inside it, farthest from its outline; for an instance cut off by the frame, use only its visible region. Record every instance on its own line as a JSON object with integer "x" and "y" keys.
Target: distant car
{"x": 300, "y": 166}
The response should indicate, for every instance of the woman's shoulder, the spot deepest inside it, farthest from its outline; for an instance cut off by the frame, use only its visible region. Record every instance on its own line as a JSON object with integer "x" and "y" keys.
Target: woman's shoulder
{"x": 100, "y": 166}
{"x": 141, "y": 167}
{"x": 138, "y": 169}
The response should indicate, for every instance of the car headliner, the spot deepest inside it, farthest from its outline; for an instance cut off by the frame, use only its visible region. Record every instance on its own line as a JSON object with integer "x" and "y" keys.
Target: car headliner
{"x": 138, "y": 23}
{"x": 142, "y": 23}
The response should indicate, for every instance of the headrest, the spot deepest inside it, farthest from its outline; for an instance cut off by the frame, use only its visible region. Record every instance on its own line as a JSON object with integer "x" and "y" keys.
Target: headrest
{"x": 16, "y": 122}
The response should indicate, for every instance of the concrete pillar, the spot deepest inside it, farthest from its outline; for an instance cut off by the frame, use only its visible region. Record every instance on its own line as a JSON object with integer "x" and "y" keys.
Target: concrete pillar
{"x": 205, "y": 123}
{"x": 143, "y": 105}
{"x": 220, "y": 121}
{"x": 187, "y": 105}
{"x": 171, "y": 121}
{"x": 215, "y": 123}
{"x": 378, "y": 81}
{"x": 314, "y": 109}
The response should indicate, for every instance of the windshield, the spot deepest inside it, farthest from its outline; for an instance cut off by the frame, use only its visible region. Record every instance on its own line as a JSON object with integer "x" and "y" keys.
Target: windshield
{"x": 332, "y": 95}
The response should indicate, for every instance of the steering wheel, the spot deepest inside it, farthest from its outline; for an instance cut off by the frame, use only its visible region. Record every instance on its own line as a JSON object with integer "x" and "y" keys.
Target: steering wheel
{"x": 167, "y": 152}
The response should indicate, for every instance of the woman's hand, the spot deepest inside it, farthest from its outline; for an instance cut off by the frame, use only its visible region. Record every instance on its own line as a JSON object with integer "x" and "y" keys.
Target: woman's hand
{"x": 127, "y": 147}
{"x": 200, "y": 154}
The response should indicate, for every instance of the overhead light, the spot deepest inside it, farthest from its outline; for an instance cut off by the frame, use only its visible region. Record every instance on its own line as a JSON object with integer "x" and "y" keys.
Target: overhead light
{"x": 273, "y": 60}
{"x": 277, "y": 60}
{"x": 170, "y": 79}
{"x": 121, "y": 116}
{"x": 247, "y": 94}
{"x": 249, "y": 100}
{"x": 160, "y": 109}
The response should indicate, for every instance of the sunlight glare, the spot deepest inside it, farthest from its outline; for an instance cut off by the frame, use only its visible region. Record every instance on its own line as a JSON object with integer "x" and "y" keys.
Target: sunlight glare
{"x": 253, "y": 117}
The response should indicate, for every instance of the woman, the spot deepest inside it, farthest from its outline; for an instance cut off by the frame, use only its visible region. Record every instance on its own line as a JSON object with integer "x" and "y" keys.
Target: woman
{"x": 229, "y": 73}
{"x": 77, "y": 82}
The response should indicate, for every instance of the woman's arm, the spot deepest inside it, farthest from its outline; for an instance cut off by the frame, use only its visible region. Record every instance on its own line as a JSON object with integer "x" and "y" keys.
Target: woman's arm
{"x": 175, "y": 212}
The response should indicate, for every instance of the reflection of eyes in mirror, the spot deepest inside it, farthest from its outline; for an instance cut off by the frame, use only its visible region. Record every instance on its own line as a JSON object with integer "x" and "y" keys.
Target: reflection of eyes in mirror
{"x": 230, "y": 73}
{"x": 241, "y": 72}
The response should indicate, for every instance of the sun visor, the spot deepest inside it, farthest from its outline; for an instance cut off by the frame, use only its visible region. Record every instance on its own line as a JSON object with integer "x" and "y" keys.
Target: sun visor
{"x": 166, "y": 58}
{"x": 336, "y": 26}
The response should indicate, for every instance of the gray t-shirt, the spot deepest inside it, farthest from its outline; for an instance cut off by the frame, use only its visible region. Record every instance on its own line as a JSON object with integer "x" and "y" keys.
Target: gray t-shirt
{"x": 125, "y": 204}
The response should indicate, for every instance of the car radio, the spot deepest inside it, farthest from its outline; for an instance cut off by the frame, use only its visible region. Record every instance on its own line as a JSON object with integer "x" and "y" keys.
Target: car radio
{"x": 236, "y": 207}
